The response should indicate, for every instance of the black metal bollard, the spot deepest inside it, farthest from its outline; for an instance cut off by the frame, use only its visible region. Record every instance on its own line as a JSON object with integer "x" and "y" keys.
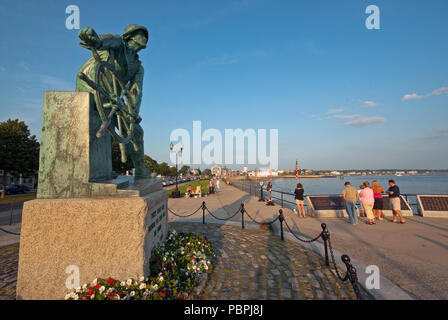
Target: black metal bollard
{"x": 281, "y": 218}
{"x": 325, "y": 237}
{"x": 242, "y": 215}
{"x": 12, "y": 211}
{"x": 352, "y": 275}
{"x": 203, "y": 212}
{"x": 261, "y": 194}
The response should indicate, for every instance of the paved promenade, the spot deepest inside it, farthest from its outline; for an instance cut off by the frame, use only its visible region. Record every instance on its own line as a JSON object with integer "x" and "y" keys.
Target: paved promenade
{"x": 413, "y": 256}
{"x": 256, "y": 264}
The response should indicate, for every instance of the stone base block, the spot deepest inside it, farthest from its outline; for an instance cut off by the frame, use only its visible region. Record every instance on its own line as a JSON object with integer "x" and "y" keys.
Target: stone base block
{"x": 100, "y": 237}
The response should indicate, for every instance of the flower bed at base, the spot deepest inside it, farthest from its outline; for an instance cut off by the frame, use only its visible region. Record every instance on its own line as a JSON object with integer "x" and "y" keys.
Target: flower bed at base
{"x": 177, "y": 268}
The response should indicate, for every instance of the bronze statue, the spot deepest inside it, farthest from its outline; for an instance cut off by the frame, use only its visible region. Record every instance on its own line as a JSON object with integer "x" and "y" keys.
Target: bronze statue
{"x": 114, "y": 74}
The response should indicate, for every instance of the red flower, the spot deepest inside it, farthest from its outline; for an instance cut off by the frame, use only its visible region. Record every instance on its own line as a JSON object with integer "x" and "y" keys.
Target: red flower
{"x": 111, "y": 294}
{"x": 193, "y": 258}
{"x": 160, "y": 293}
{"x": 119, "y": 294}
{"x": 111, "y": 281}
{"x": 97, "y": 286}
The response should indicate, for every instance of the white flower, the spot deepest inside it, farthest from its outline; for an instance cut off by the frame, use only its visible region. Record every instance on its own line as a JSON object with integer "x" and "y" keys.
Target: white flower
{"x": 132, "y": 293}
{"x": 142, "y": 286}
{"x": 122, "y": 283}
{"x": 92, "y": 296}
{"x": 84, "y": 287}
{"x": 78, "y": 289}
{"x": 142, "y": 278}
{"x": 102, "y": 288}
{"x": 117, "y": 297}
{"x": 95, "y": 282}
{"x": 129, "y": 282}
{"x": 160, "y": 279}
{"x": 68, "y": 296}
{"x": 155, "y": 287}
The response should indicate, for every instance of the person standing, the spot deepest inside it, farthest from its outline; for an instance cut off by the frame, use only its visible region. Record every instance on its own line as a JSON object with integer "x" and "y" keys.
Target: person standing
{"x": 350, "y": 195}
{"x": 363, "y": 213}
{"x": 377, "y": 194}
{"x": 269, "y": 190}
{"x": 217, "y": 184}
{"x": 367, "y": 200}
{"x": 298, "y": 193}
{"x": 395, "y": 202}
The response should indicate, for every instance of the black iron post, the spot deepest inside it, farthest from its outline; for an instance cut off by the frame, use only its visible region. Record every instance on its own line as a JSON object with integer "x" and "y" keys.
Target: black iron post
{"x": 203, "y": 212}
{"x": 281, "y": 218}
{"x": 242, "y": 215}
{"x": 12, "y": 210}
{"x": 352, "y": 275}
{"x": 325, "y": 237}
{"x": 261, "y": 193}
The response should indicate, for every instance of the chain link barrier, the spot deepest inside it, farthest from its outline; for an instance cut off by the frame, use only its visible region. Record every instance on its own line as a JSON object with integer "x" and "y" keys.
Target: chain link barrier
{"x": 182, "y": 216}
{"x": 10, "y": 232}
{"x": 350, "y": 275}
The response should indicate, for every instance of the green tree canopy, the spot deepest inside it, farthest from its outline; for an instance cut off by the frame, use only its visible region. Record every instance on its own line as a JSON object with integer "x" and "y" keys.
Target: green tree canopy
{"x": 164, "y": 169}
{"x": 19, "y": 151}
{"x": 184, "y": 170}
{"x": 207, "y": 172}
{"x": 152, "y": 164}
{"x": 118, "y": 166}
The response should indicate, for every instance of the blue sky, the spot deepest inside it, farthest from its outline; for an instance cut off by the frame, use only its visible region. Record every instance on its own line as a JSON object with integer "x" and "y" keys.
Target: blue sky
{"x": 340, "y": 95}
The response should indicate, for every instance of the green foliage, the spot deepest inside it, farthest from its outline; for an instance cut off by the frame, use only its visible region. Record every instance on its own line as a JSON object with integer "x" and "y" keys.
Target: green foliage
{"x": 207, "y": 172}
{"x": 118, "y": 166}
{"x": 184, "y": 170}
{"x": 19, "y": 151}
{"x": 152, "y": 164}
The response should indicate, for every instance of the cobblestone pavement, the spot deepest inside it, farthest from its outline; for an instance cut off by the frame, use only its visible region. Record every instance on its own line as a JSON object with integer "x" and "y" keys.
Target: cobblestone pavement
{"x": 256, "y": 264}
{"x": 9, "y": 260}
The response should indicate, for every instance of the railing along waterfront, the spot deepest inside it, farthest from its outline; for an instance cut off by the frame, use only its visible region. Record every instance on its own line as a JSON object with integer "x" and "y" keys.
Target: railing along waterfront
{"x": 287, "y": 199}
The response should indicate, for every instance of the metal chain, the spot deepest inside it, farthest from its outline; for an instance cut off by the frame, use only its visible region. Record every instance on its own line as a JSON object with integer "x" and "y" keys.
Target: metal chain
{"x": 228, "y": 218}
{"x": 260, "y": 222}
{"x": 343, "y": 279}
{"x": 307, "y": 241}
{"x": 182, "y": 216}
{"x": 10, "y": 232}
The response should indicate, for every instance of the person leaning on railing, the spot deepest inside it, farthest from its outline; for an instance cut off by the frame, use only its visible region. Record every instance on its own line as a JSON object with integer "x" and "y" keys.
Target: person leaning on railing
{"x": 395, "y": 201}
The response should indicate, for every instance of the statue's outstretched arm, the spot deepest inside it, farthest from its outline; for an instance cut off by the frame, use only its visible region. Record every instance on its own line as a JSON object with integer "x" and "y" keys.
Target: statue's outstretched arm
{"x": 103, "y": 42}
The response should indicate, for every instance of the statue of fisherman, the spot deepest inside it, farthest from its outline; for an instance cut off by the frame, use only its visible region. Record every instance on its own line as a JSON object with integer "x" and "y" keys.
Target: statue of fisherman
{"x": 120, "y": 52}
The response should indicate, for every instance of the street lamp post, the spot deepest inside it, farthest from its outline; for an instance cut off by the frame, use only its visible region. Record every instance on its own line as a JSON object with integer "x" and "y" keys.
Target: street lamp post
{"x": 176, "y": 193}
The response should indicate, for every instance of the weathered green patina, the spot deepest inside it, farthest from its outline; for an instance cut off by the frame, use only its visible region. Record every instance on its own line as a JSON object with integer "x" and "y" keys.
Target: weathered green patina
{"x": 78, "y": 127}
{"x": 115, "y": 75}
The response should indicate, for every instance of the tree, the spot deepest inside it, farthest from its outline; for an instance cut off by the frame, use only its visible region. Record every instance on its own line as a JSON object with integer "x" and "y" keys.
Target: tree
{"x": 164, "y": 169}
{"x": 184, "y": 170}
{"x": 118, "y": 166}
{"x": 152, "y": 164}
{"x": 172, "y": 171}
{"x": 19, "y": 151}
{"x": 207, "y": 172}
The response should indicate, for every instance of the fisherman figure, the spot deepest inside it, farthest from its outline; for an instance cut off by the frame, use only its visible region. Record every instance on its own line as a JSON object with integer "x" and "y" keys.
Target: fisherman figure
{"x": 121, "y": 53}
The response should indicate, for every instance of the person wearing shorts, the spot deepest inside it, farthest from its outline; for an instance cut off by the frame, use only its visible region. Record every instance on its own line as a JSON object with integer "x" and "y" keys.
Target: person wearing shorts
{"x": 298, "y": 193}
{"x": 395, "y": 202}
{"x": 367, "y": 201}
{"x": 378, "y": 205}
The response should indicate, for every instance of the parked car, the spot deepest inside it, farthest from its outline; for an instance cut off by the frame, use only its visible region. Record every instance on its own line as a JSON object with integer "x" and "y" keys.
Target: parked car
{"x": 16, "y": 188}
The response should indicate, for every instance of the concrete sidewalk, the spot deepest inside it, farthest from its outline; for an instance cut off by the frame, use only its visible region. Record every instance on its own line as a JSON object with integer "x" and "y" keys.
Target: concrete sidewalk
{"x": 413, "y": 256}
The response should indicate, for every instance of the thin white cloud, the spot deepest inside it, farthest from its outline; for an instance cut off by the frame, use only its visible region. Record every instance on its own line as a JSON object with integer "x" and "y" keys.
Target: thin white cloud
{"x": 415, "y": 96}
{"x": 438, "y": 92}
{"x": 346, "y": 116}
{"x": 332, "y": 111}
{"x": 412, "y": 96}
{"x": 365, "y": 121}
{"x": 369, "y": 104}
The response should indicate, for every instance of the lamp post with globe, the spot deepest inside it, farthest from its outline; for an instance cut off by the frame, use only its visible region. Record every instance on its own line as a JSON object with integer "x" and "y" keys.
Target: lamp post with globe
{"x": 176, "y": 193}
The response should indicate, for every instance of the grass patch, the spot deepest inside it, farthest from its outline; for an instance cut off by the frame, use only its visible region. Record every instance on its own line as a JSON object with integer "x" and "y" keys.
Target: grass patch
{"x": 203, "y": 183}
{"x": 23, "y": 198}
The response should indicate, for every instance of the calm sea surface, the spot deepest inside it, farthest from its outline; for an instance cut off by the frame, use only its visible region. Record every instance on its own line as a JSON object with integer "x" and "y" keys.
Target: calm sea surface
{"x": 408, "y": 184}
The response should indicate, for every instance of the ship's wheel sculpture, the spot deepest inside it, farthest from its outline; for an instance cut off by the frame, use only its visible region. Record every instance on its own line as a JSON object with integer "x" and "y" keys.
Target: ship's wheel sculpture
{"x": 114, "y": 108}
